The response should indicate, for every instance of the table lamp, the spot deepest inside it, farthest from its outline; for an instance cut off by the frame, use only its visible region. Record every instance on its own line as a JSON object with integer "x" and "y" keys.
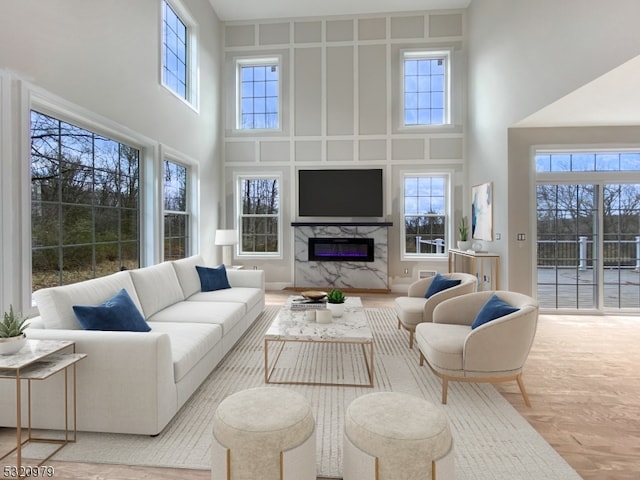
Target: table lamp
{"x": 226, "y": 238}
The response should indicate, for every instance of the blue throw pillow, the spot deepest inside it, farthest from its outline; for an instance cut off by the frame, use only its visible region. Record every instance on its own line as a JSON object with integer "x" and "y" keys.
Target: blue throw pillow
{"x": 438, "y": 284}
{"x": 213, "y": 278}
{"x": 118, "y": 314}
{"x": 494, "y": 308}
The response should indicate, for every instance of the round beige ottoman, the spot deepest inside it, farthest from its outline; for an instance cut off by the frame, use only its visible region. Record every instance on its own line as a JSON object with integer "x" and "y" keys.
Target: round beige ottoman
{"x": 266, "y": 433}
{"x": 396, "y": 436}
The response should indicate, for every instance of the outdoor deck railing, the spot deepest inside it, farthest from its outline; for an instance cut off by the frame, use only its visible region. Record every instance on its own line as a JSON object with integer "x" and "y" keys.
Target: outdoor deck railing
{"x": 571, "y": 253}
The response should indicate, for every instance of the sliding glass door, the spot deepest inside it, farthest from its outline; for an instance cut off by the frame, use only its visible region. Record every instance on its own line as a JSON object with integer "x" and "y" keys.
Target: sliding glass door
{"x": 567, "y": 224}
{"x": 588, "y": 230}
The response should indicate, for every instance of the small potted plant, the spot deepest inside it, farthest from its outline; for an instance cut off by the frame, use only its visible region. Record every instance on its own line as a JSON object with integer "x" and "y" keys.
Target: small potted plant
{"x": 463, "y": 230}
{"x": 335, "y": 302}
{"x": 12, "y": 337}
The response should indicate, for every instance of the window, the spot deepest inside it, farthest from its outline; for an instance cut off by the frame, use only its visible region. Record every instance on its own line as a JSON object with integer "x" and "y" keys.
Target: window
{"x": 176, "y": 215}
{"x": 178, "y": 53}
{"x": 258, "y": 94}
{"x": 425, "y": 215}
{"x": 259, "y": 207}
{"x": 622, "y": 161}
{"x": 84, "y": 203}
{"x": 426, "y": 88}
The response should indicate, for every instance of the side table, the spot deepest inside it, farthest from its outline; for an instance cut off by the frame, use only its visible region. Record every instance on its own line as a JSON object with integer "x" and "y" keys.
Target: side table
{"x": 39, "y": 360}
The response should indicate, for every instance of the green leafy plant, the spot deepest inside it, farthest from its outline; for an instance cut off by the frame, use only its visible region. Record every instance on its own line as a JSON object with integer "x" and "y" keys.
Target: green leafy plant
{"x": 463, "y": 229}
{"x": 12, "y": 324}
{"x": 336, "y": 296}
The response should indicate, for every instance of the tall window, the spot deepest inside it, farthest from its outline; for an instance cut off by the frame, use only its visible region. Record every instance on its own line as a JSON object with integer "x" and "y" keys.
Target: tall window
{"x": 84, "y": 203}
{"x": 176, "y": 215}
{"x": 426, "y": 88}
{"x": 259, "y": 207}
{"x": 178, "y": 53}
{"x": 258, "y": 94}
{"x": 425, "y": 215}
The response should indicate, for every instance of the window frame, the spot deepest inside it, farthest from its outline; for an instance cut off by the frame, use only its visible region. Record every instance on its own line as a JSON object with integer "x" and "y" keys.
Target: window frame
{"x": 445, "y": 53}
{"x": 239, "y": 178}
{"x": 191, "y": 96}
{"x": 448, "y": 180}
{"x": 186, "y": 212}
{"x": 255, "y": 61}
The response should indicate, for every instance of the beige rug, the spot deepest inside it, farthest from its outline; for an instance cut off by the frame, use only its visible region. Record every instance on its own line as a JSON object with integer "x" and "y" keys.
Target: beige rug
{"x": 492, "y": 441}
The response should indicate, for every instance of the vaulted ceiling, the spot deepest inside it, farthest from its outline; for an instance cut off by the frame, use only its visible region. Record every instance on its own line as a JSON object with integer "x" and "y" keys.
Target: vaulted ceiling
{"x": 230, "y": 10}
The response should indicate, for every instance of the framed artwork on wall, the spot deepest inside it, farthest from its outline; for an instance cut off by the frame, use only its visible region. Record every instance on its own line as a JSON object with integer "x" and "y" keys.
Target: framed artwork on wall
{"x": 482, "y": 211}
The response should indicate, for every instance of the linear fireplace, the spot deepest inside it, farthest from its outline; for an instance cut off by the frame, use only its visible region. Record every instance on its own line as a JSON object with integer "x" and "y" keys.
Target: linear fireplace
{"x": 341, "y": 249}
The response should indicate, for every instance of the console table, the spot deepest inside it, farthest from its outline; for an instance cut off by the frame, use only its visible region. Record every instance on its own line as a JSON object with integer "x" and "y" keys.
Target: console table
{"x": 39, "y": 360}
{"x": 485, "y": 266}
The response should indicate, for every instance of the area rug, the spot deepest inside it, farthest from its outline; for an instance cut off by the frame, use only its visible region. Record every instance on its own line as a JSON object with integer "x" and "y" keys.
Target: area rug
{"x": 492, "y": 440}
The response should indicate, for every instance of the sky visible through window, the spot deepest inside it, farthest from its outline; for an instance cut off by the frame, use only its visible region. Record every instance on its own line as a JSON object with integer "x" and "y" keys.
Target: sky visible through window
{"x": 588, "y": 162}
{"x": 424, "y": 91}
{"x": 259, "y": 96}
{"x": 174, "y": 71}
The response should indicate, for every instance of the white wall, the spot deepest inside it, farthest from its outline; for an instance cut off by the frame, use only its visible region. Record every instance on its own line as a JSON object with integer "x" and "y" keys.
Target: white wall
{"x": 341, "y": 91}
{"x": 524, "y": 55}
{"x": 102, "y": 58}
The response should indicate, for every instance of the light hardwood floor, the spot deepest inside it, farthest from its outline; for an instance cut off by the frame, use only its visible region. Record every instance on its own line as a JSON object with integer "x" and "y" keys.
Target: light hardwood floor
{"x": 583, "y": 379}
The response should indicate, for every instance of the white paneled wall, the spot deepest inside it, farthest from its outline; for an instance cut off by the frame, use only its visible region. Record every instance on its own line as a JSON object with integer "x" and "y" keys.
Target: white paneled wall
{"x": 341, "y": 106}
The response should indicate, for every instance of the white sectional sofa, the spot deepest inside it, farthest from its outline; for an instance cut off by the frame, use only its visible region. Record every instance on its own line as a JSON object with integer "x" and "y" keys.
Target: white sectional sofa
{"x": 135, "y": 382}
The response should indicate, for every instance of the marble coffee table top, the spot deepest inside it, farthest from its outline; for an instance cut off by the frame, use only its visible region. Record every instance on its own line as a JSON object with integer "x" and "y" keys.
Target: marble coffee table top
{"x": 33, "y": 351}
{"x": 300, "y": 325}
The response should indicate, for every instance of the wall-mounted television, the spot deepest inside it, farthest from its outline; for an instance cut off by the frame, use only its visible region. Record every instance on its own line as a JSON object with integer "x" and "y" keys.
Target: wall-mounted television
{"x": 340, "y": 193}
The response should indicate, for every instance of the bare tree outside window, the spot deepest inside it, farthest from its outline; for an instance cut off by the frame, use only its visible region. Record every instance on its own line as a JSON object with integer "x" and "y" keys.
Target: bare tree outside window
{"x": 84, "y": 203}
{"x": 176, "y": 215}
{"x": 259, "y": 215}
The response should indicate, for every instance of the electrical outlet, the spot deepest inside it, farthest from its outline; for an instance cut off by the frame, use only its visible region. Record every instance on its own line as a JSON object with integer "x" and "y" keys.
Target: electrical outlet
{"x": 520, "y": 237}
{"x": 255, "y": 267}
{"x": 498, "y": 236}
{"x": 406, "y": 271}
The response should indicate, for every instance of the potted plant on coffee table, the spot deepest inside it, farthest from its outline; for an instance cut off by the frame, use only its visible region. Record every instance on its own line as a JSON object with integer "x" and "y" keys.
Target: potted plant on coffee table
{"x": 12, "y": 337}
{"x": 335, "y": 302}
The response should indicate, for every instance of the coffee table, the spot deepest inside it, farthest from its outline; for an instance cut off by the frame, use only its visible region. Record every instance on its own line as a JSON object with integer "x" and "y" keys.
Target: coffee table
{"x": 298, "y": 325}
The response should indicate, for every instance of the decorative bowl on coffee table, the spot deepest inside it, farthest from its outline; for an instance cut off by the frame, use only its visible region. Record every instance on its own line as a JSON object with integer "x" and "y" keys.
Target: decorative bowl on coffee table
{"x": 313, "y": 295}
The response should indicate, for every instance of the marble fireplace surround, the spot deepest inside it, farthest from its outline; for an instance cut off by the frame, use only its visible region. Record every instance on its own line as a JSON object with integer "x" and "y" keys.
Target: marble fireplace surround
{"x": 343, "y": 274}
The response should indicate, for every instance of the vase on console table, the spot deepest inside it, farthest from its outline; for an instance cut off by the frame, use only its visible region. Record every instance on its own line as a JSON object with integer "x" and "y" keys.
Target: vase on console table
{"x": 464, "y": 245}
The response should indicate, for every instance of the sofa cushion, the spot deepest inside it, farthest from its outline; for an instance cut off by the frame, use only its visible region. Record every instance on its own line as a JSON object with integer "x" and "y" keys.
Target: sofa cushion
{"x": 494, "y": 308}
{"x": 118, "y": 314}
{"x": 190, "y": 342}
{"x": 55, "y": 304}
{"x": 410, "y": 310}
{"x": 157, "y": 287}
{"x": 225, "y": 314}
{"x": 187, "y": 275}
{"x": 212, "y": 279}
{"x": 440, "y": 283}
{"x": 442, "y": 344}
{"x": 246, "y": 295}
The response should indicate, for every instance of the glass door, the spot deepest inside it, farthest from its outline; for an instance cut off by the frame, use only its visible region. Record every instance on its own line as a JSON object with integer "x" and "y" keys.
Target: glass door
{"x": 567, "y": 246}
{"x": 575, "y": 222}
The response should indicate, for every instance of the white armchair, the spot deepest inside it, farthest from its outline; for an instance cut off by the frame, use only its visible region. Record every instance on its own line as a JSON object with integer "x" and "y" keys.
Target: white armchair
{"x": 415, "y": 308}
{"x": 493, "y": 352}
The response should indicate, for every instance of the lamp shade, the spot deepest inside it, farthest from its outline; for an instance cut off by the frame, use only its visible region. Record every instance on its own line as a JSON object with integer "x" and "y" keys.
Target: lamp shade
{"x": 226, "y": 237}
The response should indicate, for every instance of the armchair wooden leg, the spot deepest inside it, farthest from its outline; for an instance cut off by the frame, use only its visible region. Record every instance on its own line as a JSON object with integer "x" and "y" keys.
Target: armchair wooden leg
{"x": 445, "y": 386}
{"x": 411, "y": 338}
{"x": 421, "y": 359}
{"x": 523, "y": 390}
